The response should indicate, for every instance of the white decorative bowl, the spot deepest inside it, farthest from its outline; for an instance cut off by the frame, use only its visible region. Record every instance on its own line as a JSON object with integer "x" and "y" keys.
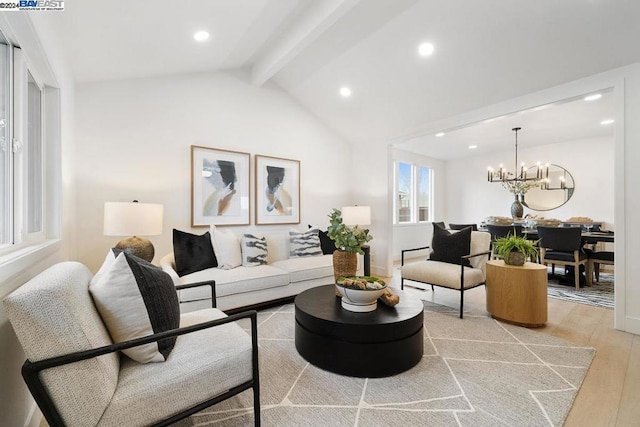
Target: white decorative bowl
{"x": 359, "y": 300}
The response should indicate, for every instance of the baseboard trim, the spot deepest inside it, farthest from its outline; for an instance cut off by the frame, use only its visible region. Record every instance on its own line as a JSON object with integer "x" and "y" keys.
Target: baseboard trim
{"x": 632, "y": 325}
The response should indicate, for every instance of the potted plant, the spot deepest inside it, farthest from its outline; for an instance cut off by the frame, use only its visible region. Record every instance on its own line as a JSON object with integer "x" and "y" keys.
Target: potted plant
{"x": 349, "y": 242}
{"x": 515, "y": 250}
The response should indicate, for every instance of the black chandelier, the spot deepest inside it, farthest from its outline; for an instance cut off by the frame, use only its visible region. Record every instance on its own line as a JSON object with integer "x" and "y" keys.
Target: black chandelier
{"x": 515, "y": 179}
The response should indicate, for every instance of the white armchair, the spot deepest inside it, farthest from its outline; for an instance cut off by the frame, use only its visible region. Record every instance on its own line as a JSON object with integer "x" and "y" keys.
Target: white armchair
{"x": 448, "y": 275}
{"x": 78, "y": 378}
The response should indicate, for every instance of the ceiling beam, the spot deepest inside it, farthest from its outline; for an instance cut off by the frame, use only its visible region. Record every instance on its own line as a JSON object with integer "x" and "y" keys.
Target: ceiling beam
{"x": 318, "y": 17}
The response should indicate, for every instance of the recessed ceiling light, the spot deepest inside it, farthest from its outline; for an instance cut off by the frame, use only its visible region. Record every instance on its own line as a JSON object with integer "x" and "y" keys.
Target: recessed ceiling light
{"x": 473, "y": 147}
{"x": 593, "y": 97}
{"x": 345, "y": 92}
{"x": 607, "y": 122}
{"x": 201, "y": 36}
{"x": 426, "y": 49}
{"x": 439, "y": 134}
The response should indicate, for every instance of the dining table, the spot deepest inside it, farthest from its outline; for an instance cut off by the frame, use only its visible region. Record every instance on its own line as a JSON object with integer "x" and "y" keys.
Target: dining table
{"x": 588, "y": 237}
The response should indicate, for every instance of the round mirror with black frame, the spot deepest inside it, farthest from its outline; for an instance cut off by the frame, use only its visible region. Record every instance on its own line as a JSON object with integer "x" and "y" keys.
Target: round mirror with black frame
{"x": 555, "y": 191}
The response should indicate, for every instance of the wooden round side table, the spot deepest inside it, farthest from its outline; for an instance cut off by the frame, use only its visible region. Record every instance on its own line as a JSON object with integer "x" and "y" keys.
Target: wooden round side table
{"x": 517, "y": 294}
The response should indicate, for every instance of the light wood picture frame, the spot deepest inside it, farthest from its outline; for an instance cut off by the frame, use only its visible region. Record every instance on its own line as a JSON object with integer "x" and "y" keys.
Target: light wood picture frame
{"x": 277, "y": 190}
{"x": 219, "y": 187}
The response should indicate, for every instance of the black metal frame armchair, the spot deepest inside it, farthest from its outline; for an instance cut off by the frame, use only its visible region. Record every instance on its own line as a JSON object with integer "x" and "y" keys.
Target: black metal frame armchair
{"x": 32, "y": 371}
{"x": 423, "y": 271}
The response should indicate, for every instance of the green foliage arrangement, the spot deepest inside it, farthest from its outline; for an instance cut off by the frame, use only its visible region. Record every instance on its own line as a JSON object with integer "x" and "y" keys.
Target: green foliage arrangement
{"x": 502, "y": 246}
{"x": 348, "y": 239}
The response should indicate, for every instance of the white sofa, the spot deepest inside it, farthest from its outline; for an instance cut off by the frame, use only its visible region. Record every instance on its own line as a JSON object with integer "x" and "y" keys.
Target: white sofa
{"x": 281, "y": 277}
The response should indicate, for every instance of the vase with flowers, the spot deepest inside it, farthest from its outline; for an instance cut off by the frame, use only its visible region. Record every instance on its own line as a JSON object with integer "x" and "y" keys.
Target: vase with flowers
{"x": 519, "y": 189}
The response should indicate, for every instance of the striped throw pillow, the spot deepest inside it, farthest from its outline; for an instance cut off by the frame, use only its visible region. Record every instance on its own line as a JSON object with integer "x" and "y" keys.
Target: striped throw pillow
{"x": 254, "y": 250}
{"x": 136, "y": 299}
{"x": 304, "y": 243}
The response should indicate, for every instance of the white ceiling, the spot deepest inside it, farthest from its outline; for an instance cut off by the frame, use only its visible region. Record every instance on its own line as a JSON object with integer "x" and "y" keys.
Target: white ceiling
{"x": 486, "y": 51}
{"x": 567, "y": 120}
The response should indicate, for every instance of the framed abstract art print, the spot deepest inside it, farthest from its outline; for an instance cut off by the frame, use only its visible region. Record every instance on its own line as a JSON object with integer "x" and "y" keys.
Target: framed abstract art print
{"x": 219, "y": 187}
{"x": 277, "y": 190}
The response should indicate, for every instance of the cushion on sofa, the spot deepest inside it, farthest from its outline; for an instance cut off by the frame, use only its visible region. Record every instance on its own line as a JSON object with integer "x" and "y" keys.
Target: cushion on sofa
{"x": 307, "y": 268}
{"x": 226, "y": 247}
{"x": 254, "y": 250}
{"x": 192, "y": 252}
{"x": 449, "y": 247}
{"x": 137, "y": 299}
{"x": 304, "y": 243}
{"x": 327, "y": 245}
{"x": 278, "y": 244}
{"x": 106, "y": 264}
{"x": 235, "y": 281}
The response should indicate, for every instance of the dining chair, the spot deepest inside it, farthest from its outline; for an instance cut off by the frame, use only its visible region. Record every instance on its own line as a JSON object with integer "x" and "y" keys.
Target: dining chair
{"x": 563, "y": 246}
{"x": 597, "y": 258}
{"x": 474, "y": 227}
{"x": 498, "y": 231}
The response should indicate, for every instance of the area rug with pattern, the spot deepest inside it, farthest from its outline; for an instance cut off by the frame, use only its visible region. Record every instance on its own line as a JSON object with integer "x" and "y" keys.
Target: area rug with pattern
{"x": 599, "y": 294}
{"x": 475, "y": 371}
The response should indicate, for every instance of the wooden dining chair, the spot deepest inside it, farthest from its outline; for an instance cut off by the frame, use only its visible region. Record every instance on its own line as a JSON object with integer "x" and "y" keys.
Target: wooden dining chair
{"x": 563, "y": 246}
{"x": 498, "y": 231}
{"x": 597, "y": 258}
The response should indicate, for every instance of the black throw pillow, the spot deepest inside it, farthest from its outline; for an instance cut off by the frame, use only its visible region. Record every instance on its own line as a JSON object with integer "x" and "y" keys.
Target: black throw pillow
{"x": 327, "y": 245}
{"x": 449, "y": 247}
{"x": 192, "y": 253}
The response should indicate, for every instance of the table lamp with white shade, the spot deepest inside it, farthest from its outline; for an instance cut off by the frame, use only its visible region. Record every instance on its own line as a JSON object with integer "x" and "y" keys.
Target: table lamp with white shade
{"x": 358, "y": 216}
{"x": 133, "y": 219}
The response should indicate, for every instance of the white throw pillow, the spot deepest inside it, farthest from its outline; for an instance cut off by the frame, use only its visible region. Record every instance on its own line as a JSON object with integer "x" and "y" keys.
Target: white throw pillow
{"x": 305, "y": 243}
{"x": 254, "y": 250}
{"x": 227, "y": 248}
{"x": 136, "y": 299}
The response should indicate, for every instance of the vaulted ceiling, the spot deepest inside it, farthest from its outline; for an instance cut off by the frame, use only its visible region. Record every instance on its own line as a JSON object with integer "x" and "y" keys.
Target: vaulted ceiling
{"x": 485, "y": 51}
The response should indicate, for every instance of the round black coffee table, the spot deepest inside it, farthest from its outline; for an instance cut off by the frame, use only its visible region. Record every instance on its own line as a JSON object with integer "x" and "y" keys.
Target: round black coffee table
{"x": 380, "y": 343}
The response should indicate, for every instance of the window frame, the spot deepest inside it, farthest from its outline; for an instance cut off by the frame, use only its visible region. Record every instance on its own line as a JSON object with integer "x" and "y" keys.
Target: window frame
{"x": 414, "y": 215}
{"x": 18, "y": 143}
{"x": 7, "y": 216}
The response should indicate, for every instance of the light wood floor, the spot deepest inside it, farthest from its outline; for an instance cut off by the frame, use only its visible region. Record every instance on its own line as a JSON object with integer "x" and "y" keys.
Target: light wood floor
{"x": 610, "y": 393}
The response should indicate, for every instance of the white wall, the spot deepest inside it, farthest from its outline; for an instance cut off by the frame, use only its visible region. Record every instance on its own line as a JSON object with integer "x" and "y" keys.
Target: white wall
{"x": 471, "y": 199}
{"x": 628, "y": 204}
{"x": 135, "y": 137}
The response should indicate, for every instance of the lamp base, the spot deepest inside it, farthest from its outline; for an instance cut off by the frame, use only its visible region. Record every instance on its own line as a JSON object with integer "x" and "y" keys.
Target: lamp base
{"x": 137, "y": 246}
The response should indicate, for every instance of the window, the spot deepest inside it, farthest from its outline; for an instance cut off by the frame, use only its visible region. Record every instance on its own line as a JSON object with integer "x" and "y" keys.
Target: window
{"x": 412, "y": 184}
{"x": 33, "y": 151}
{"x": 5, "y": 143}
{"x": 22, "y": 150}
